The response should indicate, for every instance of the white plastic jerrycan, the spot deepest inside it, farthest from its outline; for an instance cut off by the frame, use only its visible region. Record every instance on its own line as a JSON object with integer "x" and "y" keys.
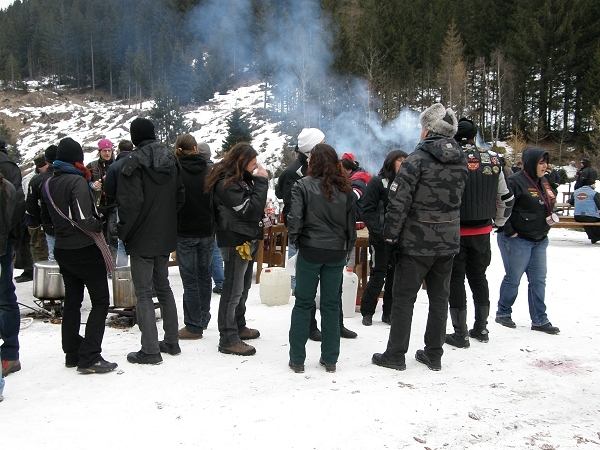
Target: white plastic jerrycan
{"x": 274, "y": 287}
{"x": 349, "y": 291}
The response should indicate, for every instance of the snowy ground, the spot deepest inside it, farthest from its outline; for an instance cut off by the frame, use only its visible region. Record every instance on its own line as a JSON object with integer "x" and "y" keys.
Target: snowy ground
{"x": 524, "y": 389}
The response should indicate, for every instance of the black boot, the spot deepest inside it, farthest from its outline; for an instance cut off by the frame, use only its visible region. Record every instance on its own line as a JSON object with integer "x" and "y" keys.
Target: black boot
{"x": 460, "y": 337}
{"x": 480, "y": 331}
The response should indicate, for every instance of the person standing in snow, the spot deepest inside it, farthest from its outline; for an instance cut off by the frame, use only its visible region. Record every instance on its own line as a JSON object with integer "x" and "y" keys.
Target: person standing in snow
{"x": 238, "y": 185}
{"x": 359, "y": 179}
{"x": 524, "y": 239}
{"x": 375, "y": 201}
{"x": 149, "y": 194}
{"x": 322, "y": 226}
{"x": 81, "y": 253}
{"x": 587, "y": 175}
{"x": 486, "y": 197}
{"x": 195, "y": 239}
{"x": 106, "y": 205}
{"x": 422, "y": 235}
{"x": 307, "y": 139}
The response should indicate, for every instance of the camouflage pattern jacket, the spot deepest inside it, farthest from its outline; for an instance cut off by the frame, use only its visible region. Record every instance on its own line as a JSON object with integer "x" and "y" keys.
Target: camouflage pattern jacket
{"x": 424, "y": 204}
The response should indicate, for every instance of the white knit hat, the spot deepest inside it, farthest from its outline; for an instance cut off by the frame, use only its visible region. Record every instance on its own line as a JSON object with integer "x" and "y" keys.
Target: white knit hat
{"x": 439, "y": 120}
{"x": 308, "y": 138}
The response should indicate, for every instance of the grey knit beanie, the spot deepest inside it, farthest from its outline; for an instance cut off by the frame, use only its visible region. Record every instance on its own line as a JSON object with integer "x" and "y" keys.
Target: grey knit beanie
{"x": 439, "y": 120}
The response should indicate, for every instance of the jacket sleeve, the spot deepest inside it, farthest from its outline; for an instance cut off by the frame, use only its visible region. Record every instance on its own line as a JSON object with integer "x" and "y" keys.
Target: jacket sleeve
{"x": 297, "y": 214}
{"x": 247, "y": 205}
{"x": 597, "y": 200}
{"x": 350, "y": 224}
{"x": 508, "y": 229}
{"x": 401, "y": 195}
{"x": 110, "y": 182}
{"x": 130, "y": 198}
{"x": 180, "y": 188}
{"x": 370, "y": 210}
{"x": 82, "y": 207}
{"x": 505, "y": 201}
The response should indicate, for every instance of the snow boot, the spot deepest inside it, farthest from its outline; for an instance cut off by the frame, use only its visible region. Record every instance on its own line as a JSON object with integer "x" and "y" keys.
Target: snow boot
{"x": 460, "y": 337}
{"x": 480, "y": 331}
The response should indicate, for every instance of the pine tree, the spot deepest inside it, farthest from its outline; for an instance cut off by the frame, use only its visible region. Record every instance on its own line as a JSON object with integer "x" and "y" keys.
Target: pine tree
{"x": 167, "y": 117}
{"x": 238, "y": 130}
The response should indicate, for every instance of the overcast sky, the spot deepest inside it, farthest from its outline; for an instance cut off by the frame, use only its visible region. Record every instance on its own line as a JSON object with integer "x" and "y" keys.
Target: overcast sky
{"x": 5, "y": 3}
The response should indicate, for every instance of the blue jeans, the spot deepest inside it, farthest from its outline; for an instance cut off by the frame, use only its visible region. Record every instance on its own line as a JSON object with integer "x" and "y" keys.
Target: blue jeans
{"x": 122, "y": 258}
{"x": 149, "y": 272}
{"x": 217, "y": 266}
{"x": 291, "y": 252}
{"x": 237, "y": 283}
{"x": 10, "y": 316}
{"x": 50, "y": 240}
{"x": 521, "y": 256}
{"x": 194, "y": 258}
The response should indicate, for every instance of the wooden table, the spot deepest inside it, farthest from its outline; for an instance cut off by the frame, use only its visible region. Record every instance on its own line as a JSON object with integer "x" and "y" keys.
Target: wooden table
{"x": 361, "y": 259}
{"x": 272, "y": 251}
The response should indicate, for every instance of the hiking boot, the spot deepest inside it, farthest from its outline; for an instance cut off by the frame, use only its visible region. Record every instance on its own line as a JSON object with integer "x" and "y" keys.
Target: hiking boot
{"x": 367, "y": 320}
{"x": 217, "y": 290}
{"x": 10, "y": 366}
{"x": 23, "y": 278}
{"x": 315, "y": 335}
{"x": 101, "y": 366}
{"x": 346, "y": 333}
{"x": 546, "y": 328}
{"x": 386, "y": 318}
{"x": 241, "y": 349}
{"x": 460, "y": 337}
{"x": 184, "y": 333}
{"x": 480, "y": 335}
{"x": 457, "y": 341}
{"x": 382, "y": 360}
{"x": 248, "y": 333}
{"x": 422, "y": 357}
{"x": 144, "y": 358}
{"x": 330, "y": 368}
{"x": 297, "y": 368}
{"x": 506, "y": 321}
{"x": 171, "y": 349}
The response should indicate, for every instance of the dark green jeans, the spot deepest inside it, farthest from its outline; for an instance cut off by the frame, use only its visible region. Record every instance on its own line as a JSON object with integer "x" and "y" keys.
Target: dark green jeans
{"x": 307, "y": 277}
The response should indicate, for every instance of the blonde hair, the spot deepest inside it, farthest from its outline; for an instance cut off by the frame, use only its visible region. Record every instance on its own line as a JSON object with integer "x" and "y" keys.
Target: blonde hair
{"x": 185, "y": 145}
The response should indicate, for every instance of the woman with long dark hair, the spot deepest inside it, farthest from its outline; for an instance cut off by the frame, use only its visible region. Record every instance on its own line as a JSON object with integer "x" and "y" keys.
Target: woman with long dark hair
{"x": 82, "y": 255}
{"x": 375, "y": 203}
{"x": 239, "y": 190}
{"x": 321, "y": 225}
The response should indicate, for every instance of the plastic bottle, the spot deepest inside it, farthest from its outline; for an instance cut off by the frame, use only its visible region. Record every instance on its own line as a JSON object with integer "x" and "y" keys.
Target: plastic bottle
{"x": 274, "y": 287}
{"x": 349, "y": 290}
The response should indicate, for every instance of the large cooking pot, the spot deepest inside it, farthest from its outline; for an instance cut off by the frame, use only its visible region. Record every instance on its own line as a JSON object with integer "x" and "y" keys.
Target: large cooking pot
{"x": 48, "y": 283}
{"x": 123, "y": 290}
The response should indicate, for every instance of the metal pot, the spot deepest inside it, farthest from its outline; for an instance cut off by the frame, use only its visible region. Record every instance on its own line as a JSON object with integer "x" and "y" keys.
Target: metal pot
{"x": 123, "y": 290}
{"x": 48, "y": 283}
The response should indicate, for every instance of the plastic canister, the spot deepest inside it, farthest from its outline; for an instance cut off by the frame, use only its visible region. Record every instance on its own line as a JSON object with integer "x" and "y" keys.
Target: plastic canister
{"x": 274, "y": 287}
{"x": 349, "y": 290}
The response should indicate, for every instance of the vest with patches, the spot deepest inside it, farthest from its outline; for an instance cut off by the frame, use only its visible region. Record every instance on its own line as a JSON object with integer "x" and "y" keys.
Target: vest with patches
{"x": 585, "y": 205}
{"x": 478, "y": 204}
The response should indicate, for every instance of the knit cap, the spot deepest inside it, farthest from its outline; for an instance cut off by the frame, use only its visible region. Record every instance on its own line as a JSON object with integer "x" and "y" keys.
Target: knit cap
{"x": 308, "y": 138}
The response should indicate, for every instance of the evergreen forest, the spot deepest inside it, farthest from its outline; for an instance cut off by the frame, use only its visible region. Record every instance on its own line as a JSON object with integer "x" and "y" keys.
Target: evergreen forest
{"x": 516, "y": 67}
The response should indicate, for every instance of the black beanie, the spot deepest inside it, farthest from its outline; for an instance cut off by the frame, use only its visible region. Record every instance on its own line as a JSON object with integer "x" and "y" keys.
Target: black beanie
{"x": 466, "y": 130}
{"x": 50, "y": 153}
{"x": 69, "y": 151}
{"x": 141, "y": 130}
{"x": 39, "y": 161}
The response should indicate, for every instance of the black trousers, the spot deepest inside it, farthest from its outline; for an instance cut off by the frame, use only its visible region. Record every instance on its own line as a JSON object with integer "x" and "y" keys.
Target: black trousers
{"x": 380, "y": 274}
{"x": 593, "y": 233}
{"x": 473, "y": 260}
{"x": 410, "y": 273}
{"x": 83, "y": 267}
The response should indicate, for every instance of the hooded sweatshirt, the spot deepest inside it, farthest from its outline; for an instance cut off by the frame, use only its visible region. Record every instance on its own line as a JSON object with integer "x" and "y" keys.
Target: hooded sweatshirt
{"x": 534, "y": 199}
{"x": 195, "y": 218}
{"x": 424, "y": 204}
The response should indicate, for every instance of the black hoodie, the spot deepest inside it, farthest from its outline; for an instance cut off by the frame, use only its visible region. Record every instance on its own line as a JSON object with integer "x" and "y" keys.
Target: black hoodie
{"x": 528, "y": 217}
{"x": 195, "y": 218}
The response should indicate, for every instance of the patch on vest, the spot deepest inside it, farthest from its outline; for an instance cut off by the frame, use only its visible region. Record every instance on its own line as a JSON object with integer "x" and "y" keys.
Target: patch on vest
{"x": 582, "y": 196}
{"x": 495, "y": 169}
{"x": 495, "y": 160}
{"x": 487, "y": 170}
{"x": 394, "y": 186}
{"x": 485, "y": 158}
{"x": 472, "y": 162}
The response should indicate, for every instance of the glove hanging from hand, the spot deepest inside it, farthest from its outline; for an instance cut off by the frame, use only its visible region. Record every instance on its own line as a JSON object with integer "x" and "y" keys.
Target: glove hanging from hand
{"x": 244, "y": 251}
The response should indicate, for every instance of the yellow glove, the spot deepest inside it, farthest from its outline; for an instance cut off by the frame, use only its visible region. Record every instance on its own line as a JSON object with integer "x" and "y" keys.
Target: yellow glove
{"x": 244, "y": 251}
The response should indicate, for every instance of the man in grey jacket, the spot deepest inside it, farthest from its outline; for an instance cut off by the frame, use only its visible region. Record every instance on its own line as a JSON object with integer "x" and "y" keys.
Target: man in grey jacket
{"x": 422, "y": 235}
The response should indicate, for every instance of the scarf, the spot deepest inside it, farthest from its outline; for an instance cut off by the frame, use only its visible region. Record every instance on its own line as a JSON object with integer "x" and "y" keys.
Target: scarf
{"x": 77, "y": 168}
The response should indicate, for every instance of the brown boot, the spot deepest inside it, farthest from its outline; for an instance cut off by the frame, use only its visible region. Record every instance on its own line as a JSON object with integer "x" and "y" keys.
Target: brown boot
{"x": 241, "y": 348}
{"x": 248, "y": 333}
{"x": 184, "y": 333}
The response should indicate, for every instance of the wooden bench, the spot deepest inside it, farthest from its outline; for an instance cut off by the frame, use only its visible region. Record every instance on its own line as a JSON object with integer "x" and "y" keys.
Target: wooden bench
{"x": 569, "y": 222}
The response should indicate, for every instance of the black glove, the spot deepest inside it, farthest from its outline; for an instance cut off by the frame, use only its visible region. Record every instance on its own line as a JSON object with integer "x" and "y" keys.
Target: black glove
{"x": 392, "y": 251}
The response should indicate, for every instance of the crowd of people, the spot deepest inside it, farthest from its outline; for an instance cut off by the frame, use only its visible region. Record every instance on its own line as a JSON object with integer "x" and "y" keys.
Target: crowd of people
{"x": 429, "y": 212}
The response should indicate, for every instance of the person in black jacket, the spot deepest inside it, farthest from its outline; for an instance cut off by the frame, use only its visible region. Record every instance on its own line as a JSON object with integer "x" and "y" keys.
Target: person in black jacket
{"x": 524, "y": 239}
{"x": 10, "y": 317}
{"x": 359, "y": 179}
{"x": 82, "y": 263}
{"x": 238, "y": 185}
{"x": 149, "y": 194}
{"x": 195, "y": 239}
{"x": 322, "y": 226}
{"x": 587, "y": 175}
{"x": 375, "y": 200}
{"x": 307, "y": 139}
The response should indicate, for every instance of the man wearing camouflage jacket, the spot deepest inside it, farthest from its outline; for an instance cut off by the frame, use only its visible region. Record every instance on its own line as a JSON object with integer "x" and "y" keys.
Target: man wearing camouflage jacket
{"x": 422, "y": 235}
